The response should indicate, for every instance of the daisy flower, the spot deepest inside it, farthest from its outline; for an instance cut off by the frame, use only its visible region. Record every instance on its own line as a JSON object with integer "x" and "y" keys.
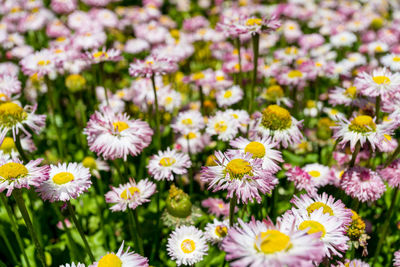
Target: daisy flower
{"x": 333, "y": 113}
{"x": 223, "y": 126}
{"x": 229, "y": 96}
{"x": 216, "y": 206}
{"x": 40, "y": 63}
{"x": 343, "y": 96}
{"x": 121, "y": 258}
{"x": 310, "y": 177}
{"x": 396, "y": 260}
{"x": 103, "y": 55}
{"x": 186, "y": 121}
{"x": 391, "y": 61}
{"x": 187, "y": 245}
{"x": 95, "y": 165}
{"x": 330, "y": 228}
{"x": 216, "y": 231}
{"x": 237, "y": 25}
{"x": 165, "y": 164}
{"x": 275, "y": 94}
{"x": 328, "y": 204}
{"x": 194, "y": 140}
{"x": 343, "y": 39}
{"x": 363, "y": 184}
{"x": 391, "y": 173}
{"x": 14, "y": 174}
{"x": 262, "y": 244}
{"x": 10, "y": 84}
{"x": 380, "y": 83}
{"x": 361, "y": 129}
{"x": 278, "y": 123}
{"x": 13, "y": 117}
{"x": 262, "y": 148}
{"x": 130, "y": 195}
{"x": 73, "y": 265}
{"x": 152, "y": 65}
{"x": 353, "y": 263}
{"x": 66, "y": 181}
{"x": 240, "y": 174}
{"x": 114, "y": 135}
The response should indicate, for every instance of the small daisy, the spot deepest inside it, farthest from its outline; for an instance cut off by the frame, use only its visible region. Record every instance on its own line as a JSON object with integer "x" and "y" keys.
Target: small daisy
{"x": 216, "y": 231}
{"x": 165, "y": 164}
{"x": 333, "y": 113}
{"x": 396, "y": 260}
{"x": 329, "y": 204}
{"x": 39, "y": 63}
{"x": 66, "y": 181}
{"x": 310, "y": 177}
{"x": 216, "y": 206}
{"x": 121, "y": 259}
{"x": 391, "y": 61}
{"x": 152, "y": 65}
{"x": 278, "y": 123}
{"x": 130, "y": 195}
{"x": 391, "y": 173}
{"x": 241, "y": 175}
{"x": 343, "y": 39}
{"x": 13, "y": 117}
{"x": 330, "y": 228}
{"x": 261, "y": 147}
{"x": 262, "y": 244}
{"x": 73, "y": 265}
{"x": 343, "y": 96}
{"x": 361, "y": 129}
{"x": 188, "y": 121}
{"x": 275, "y": 94}
{"x": 103, "y": 55}
{"x": 223, "y": 126}
{"x": 10, "y": 84}
{"x": 14, "y": 174}
{"x": 353, "y": 263}
{"x": 193, "y": 140}
{"x": 229, "y": 96}
{"x": 363, "y": 184}
{"x": 114, "y": 135}
{"x": 187, "y": 245}
{"x": 95, "y": 165}
{"x": 380, "y": 83}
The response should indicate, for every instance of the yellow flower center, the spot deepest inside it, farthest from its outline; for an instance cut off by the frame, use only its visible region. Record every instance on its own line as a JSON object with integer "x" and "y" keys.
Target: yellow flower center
{"x": 378, "y": 48}
{"x": 110, "y": 260}
{"x": 190, "y": 135}
{"x": 272, "y": 241}
{"x": 75, "y": 81}
{"x": 387, "y": 137}
{"x": 313, "y": 227}
{"x": 167, "y": 161}
{"x": 253, "y": 22}
{"x": 381, "y": 79}
{"x": 89, "y": 162}
{"x": 63, "y": 178}
{"x": 228, "y": 94}
{"x": 351, "y": 91}
{"x": 274, "y": 92}
{"x": 168, "y": 100}
{"x": 291, "y": 50}
{"x": 188, "y": 246}
{"x": 132, "y": 191}
{"x": 314, "y": 174}
{"x": 311, "y": 104}
{"x": 99, "y": 54}
{"x": 13, "y": 170}
{"x": 120, "y": 126}
{"x": 295, "y": 74}
{"x": 220, "y": 126}
{"x": 275, "y": 117}
{"x": 220, "y": 78}
{"x": 396, "y": 59}
{"x": 8, "y": 145}
{"x": 198, "y": 76}
{"x": 237, "y": 168}
{"x": 175, "y": 33}
{"x": 11, "y": 114}
{"x": 187, "y": 121}
{"x": 43, "y": 62}
{"x": 357, "y": 227}
{"x": 255, "y": 148}
{"x": 221, "y": 231}
{"x": 362, "y": 124}
{"x": 317, "y": 205}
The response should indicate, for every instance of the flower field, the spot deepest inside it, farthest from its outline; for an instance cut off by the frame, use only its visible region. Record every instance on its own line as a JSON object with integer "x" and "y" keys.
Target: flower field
{"x": 199, "y": 133}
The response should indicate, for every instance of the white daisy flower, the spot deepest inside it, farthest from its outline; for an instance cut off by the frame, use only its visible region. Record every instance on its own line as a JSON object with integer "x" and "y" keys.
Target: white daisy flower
{"x": 334, "y": 114}
{"x": 377, "y": 47}
{"x": 241, "y": 116}
{"x": 343, "y": 39}
{"x": 223, "y": 126}
{"x": 73, "y": 265}
{"x": 165, "y": 164}
{"x": 187, "y": 245}
{"x": 380, "y": 83}
{"x": 193, "y": 140}
{"x": 391, "y": 61}
{"x": 66, "y": 181}
{"x": 216, "y": 231}
{"x": 121, "y": 259}
{"x": 229, "y": 96}
{"x": 261, "y": 147}
{"x": 188, "y": 121}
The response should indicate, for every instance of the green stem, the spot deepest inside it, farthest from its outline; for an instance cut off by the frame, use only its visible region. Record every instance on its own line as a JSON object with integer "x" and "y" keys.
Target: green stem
{"x": 80, "y": 230}
{"x": 393, "y": 156}
{"x": 378, "y": 108}
{"x": 232, "y": 204}
{"x": 355, "y": 153}
{"x": 239, "y": 60}
{"x": 384, "y": 229}
{"x": 157, "y": 117}
{"x": 201, "y": 100}
{"x": 255, "y": 39}
{"x": 20, "y": 149}
{"x": 136, "y": 230}
{"x": 25, "y": 215}
{"x": 14, "y": 227}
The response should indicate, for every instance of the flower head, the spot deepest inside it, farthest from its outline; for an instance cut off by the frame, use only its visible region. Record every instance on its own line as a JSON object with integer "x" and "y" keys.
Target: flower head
{"x": 152, "y": 65}
{"x": 165, "y": 164}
